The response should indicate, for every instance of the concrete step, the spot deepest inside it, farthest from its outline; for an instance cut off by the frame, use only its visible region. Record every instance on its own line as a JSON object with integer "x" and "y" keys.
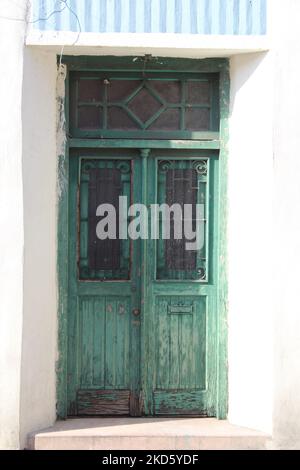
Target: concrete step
{"x": 146, "y": 434}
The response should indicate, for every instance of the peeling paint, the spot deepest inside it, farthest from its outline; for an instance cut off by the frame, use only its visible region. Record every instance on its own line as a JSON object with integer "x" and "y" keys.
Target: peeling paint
{"x": 61, "y": 127}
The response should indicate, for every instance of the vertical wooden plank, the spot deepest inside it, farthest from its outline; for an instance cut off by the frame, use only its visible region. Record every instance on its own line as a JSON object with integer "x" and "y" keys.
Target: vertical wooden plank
{"x": 121, "y": 352}
{"x": 87, "y": 327}
{"x": 187, "y": 356}
{"x": 63, "y": 248}
{"x": 99, "y": 342}
{"x": 127, "y": 366}
{"x": 72, "y": 315}
{"x": 222, "y": 304}
{"x": 162, "y": 344}
{"x": 149, "y": 317}
{"x": 174, "y": 338}
{"x": 110, "y": 343}
{"x": 200, "y": 343}
{"x": 134, "y": 325}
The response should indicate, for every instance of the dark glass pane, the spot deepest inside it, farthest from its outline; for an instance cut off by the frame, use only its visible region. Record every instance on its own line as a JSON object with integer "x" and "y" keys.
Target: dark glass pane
{"x": 197, "y": 119}
{"x": 118, "y": 119}
{"x": 144, "y": 105}
{"x": 119, "y": 90}
{"x": 198, "y": 92}
{"x": 181, "y": 188}
{"x": 90, "y": 90}
{"x": 89, "y": 117}
{"x": 176, "y": 106}
{"x": 104, "y": 187}
{"x": 169, "y": 120}
{"x": 169, "y": 90}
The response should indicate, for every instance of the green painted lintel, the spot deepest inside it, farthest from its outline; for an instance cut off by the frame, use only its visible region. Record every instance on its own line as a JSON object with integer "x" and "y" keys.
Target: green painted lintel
{"x": 137, "y": 144}
{"x": 139, "y": 63}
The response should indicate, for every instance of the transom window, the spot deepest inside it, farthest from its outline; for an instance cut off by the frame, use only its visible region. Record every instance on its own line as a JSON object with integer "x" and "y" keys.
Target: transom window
{"x": 104, "y": 106}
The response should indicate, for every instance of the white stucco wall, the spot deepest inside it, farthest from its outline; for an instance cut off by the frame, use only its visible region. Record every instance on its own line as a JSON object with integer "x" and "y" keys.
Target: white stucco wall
{"x": 37, "y": 406}
{"x": 250, "y": 173}
{"x": 286, "y": 232}
{"x": 28, "y": 237}
{"x": 11, "y": 210}
{"x": 263, "y": 232}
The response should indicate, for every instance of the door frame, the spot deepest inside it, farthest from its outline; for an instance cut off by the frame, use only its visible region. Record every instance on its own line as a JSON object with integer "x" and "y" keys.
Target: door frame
{"x": 209, "y": 141}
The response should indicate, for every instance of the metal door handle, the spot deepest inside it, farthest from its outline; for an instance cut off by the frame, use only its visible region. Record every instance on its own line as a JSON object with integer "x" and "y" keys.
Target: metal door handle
{"x": 136, "y": 312}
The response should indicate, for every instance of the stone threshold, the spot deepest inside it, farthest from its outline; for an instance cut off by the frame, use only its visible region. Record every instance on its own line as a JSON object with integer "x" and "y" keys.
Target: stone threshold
{"x": 147, "y": 434}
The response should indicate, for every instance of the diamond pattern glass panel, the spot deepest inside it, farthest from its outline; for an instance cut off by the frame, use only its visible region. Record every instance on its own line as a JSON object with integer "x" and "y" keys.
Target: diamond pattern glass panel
{"x": 167, "y": 121}
{"x": 144, "y": 105}
{"x": 170, "y": 91}
{"x": 119, "y": 90}
{"x": 119, "y": 119}
{"x": 141, "y": 107}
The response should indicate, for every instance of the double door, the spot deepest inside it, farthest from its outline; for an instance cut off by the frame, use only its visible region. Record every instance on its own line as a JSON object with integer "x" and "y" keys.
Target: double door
{"x": 142, "y": 260}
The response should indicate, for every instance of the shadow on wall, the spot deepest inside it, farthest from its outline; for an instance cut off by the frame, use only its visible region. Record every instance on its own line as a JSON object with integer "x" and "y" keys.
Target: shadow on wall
{"x": 248, "y": 63}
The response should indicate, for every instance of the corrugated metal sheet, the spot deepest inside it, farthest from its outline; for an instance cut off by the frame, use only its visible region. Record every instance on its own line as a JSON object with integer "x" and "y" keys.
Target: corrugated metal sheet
{"x": 237, "y": 17}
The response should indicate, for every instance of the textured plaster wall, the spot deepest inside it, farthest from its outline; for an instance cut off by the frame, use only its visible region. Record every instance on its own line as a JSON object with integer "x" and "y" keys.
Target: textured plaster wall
{"x": 11, "y": 213}
{"x": 263, "y": 232}
{"x": 286, "y": 232}
{"x": 37, "y": 407}
{"x": 250, "y": 174}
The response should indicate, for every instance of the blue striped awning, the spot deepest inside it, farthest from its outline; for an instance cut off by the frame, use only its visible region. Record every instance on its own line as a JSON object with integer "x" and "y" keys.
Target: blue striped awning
{"x": 231, "y": 17}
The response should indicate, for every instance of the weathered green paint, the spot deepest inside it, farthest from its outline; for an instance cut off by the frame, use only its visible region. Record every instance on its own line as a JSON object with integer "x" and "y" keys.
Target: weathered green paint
{"x": 196, "y": 175}
{"x": 158, "y": 403}
{"x": 222, "y": 302}
{"x": 171, "y": 99}
{"x": 180, "y": 353}
{"x": 103, "y": 333}
{"x": 180, "y": 403}
{"x": 143, "y": 64}
{"x": 210, "y": 142}
{"x": 62, "y": 276}
{"x": 62, "y": 244}
{"x": 105, "y": 402}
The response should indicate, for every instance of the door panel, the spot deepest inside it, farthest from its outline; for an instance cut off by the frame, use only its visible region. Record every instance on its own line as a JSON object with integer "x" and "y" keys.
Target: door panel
{"x": 182, "y": 355}
{"x": 181, "y": 333}
{"x": 104, "y": 342}
{"x": 142, "y": 317}
{"x": 102, "y": 182}
{"x": 182, "y": 182}
{"x": 104, "y": 333}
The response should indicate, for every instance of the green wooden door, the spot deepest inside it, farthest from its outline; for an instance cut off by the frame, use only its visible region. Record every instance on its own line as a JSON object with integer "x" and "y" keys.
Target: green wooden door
{"x": 142, "y": 323}
{"x": 180, "y": 292}
{"x": 104, "y": 291}
{"x": 142, "y": 318}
